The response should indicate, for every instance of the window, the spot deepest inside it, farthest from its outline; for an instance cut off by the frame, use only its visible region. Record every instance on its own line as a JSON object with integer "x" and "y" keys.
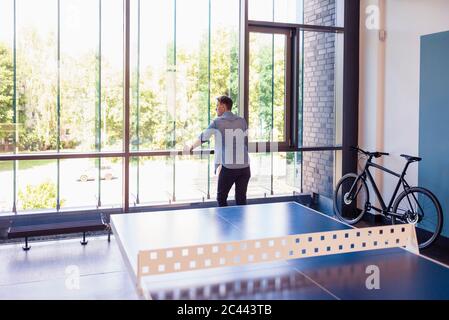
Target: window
{"x": 64, "y": 93}
{"x": 269, "y": 81}
{"x": 63, "y": 110}
{"x": 184, "y": 54}
{"x": 313, "y": 60}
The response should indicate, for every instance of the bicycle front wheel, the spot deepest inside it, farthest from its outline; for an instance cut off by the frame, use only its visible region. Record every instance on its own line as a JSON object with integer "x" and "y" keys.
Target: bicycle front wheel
{"x": 350, "y": 199}
{"x": 421, "y": 208}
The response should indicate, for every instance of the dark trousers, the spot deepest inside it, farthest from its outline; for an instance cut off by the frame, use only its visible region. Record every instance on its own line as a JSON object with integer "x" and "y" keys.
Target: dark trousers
{"x": 226, "y": 179}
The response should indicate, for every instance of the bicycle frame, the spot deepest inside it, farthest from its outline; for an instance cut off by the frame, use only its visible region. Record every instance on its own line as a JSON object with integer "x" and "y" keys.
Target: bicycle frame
{"x": 367, "y": 176}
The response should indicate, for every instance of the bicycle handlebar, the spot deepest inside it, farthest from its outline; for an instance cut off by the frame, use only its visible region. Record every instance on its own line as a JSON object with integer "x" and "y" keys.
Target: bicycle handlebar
{"x": 371, "y": 154}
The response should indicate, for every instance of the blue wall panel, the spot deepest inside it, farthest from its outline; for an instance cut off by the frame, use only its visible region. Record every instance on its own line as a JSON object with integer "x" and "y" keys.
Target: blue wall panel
{"x": 434, "y": 119}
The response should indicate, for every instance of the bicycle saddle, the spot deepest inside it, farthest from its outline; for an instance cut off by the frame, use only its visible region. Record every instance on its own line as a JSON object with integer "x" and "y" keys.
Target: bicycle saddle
{"x": 410, "y": 158}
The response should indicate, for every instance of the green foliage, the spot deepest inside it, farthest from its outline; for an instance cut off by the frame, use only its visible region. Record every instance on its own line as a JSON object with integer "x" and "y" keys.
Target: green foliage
{"x": 42, "y": 196}
{"x": 290, "y": 158}
{"x": 201, "y": 74}
{"x": 6, "y": 89}
{"x": 267, "y": 83}
{"x": 37, "y": 91}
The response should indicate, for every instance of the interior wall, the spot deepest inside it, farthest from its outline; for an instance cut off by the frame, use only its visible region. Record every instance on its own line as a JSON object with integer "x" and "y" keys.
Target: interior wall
{"x": 390, "y": 119}
{"x": 434, "y": 118}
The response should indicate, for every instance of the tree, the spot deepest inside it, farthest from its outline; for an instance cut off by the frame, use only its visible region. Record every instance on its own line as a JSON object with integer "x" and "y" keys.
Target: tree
{"x": 42, "y": 196}
{"x": 198, "y": 76}
{"x": 37, "y": 88}
{"x": 6, "y": 89}
{"x": 267, "y": 88}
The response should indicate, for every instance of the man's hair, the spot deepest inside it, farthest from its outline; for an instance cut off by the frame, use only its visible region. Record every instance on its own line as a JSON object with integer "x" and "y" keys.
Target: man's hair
{"x": 226, "y": 101}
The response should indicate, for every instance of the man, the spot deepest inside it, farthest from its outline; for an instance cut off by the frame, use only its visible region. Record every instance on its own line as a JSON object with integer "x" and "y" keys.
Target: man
{"x": 231, "y": 152}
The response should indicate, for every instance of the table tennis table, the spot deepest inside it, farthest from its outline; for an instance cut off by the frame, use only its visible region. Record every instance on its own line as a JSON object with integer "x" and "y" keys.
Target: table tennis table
{"x": 402, "y": 274}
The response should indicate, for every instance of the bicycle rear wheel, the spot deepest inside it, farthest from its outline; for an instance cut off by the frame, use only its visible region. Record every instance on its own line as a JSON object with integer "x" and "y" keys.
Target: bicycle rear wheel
{"x": 420, "y": 207}
{"x": 350, "y": 199}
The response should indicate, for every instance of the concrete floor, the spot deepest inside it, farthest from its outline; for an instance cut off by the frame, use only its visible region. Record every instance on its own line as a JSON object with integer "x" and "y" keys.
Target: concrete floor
{"x": 64, "y": 269}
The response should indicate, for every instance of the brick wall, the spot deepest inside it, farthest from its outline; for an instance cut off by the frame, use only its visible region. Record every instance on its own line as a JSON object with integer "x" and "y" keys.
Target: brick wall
{"x": 319, "y": 97}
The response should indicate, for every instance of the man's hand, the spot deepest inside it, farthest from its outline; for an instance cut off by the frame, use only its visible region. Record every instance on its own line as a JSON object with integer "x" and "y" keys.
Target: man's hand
{"x": 187, "y": 149}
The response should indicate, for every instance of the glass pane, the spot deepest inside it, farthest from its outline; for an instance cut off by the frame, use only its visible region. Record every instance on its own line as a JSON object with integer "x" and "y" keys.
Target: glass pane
{"x": 83, "y": 180}
{"x": 36, "y": 185}
{"x": 291, "y": 10}
{"x": 322, "y": 100}
{"x": 112, "y": 75}
{"x": 7, "y": 77}
{"x": 314, "y": 12}
{"x": 275, "y": 174}
{"x": 260, "y": 10}
{"x": 267, "y": 93}
{"x": 183, "y": 57}
{"x": 286, "y": 173}
{"x": 153, "y": 74}
{"x": 151, "y": 180}
{"x": 224, "y": 60}
{"x": 80, "y": 78}
{"x": 7, "y": 183}
{"x": 192, "y": 178}
{"x": 37, "y": 71}
{"x": 261, "y": 170}
{"x": 78, "y": 186}
{"x": 319, "y": 170}
{"x": 111, "y": 182}
{"x": 192, "y": 61}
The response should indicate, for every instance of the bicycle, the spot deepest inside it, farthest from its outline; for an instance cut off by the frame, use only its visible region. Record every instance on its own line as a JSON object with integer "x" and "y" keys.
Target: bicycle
{"x": 415, "y": 205}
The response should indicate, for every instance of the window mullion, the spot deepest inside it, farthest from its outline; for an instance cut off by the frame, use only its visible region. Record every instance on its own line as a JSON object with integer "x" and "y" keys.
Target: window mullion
{"x": 99, "y": 96}
{"x": 126, "y": 107}
{"x": 58, "y": 112}
{"x": 15, "y": 114}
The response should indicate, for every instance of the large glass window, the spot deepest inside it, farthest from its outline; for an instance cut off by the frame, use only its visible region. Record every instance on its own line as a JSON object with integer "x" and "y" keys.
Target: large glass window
{"x": 62, "y": 94}
{"x": 184, "y": 54}
{"x": 61, "y": 91}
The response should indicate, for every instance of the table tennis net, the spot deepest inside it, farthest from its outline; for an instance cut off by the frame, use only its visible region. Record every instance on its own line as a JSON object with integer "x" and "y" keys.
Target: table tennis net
{"x": 245, "y": 252}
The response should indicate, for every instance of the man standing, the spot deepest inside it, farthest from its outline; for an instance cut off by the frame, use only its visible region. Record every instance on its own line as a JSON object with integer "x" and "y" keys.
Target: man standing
{"x": 231, "y": 151}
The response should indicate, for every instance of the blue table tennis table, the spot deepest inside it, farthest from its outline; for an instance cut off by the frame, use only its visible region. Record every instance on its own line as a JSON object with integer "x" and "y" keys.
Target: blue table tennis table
{"x": 402, "y": 274}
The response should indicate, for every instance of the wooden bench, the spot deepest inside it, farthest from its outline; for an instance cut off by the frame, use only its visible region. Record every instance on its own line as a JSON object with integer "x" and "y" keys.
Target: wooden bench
{"x": 57, "y": 224}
